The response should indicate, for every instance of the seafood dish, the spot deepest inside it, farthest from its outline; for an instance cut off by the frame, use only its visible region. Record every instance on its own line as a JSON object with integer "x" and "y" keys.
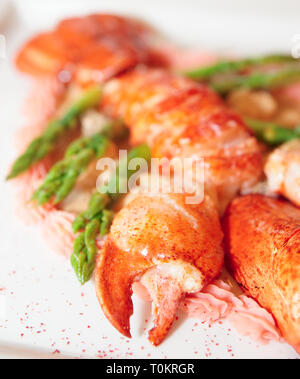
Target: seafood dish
{"x": 166, "y": 173}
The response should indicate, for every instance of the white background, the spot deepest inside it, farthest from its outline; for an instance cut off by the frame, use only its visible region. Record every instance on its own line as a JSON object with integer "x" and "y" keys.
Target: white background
{"x": 45, "y": 309}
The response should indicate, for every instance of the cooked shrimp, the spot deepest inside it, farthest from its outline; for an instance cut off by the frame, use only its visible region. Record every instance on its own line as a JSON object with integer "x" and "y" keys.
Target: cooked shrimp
{"x": 264, "y": 257}
{"x": 283, "y": 170}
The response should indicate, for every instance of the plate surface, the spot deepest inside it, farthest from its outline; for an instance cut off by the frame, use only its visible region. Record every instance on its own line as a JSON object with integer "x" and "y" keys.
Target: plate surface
{"x": 43, "y": 310}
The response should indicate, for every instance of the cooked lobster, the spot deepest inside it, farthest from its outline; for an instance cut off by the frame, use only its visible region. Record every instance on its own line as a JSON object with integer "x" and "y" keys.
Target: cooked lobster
{"x": 171, "y": 246}
{"x": 283, "y": 170}
{"x": 264, "y": 257}
{"x": 177, "y": 117}
{"x": 89, "y": 49}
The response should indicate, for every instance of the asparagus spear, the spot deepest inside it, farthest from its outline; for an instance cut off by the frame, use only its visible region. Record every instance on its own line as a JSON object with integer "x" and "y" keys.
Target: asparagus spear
{"x": 44, "y": 144}
{"x": 266, "y": 80}
{"x": 63, "y": 175}
{"x": 98, "y": 217}
{"x": 271, "y": 133}
{"x": 223, "y": 67}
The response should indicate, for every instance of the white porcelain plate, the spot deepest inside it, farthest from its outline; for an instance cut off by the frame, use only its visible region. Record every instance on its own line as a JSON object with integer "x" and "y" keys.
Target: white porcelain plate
{"x": 43, "y": 310}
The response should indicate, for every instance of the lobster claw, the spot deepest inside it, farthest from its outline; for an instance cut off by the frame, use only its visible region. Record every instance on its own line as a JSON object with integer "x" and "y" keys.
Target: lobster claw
{"x": 166, "y": 294}
{"x": 172, "y": 248}
{"x": 114, "y": 277}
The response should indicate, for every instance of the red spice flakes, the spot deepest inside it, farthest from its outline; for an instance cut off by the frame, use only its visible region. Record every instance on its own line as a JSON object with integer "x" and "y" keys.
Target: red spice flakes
{"x": 56, "y": 352}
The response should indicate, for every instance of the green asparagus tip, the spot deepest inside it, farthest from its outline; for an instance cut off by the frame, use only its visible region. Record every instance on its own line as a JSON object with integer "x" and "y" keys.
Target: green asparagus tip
{"x": 140, "y": 151}
{"x": 82, "y": 272}
{"x": 10, "y": 176}
{"x": 62, "y": 177}
{"x": 44, "y": 144}
{"x": 270, "y": 133}
{"x": 234, "y": 66}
